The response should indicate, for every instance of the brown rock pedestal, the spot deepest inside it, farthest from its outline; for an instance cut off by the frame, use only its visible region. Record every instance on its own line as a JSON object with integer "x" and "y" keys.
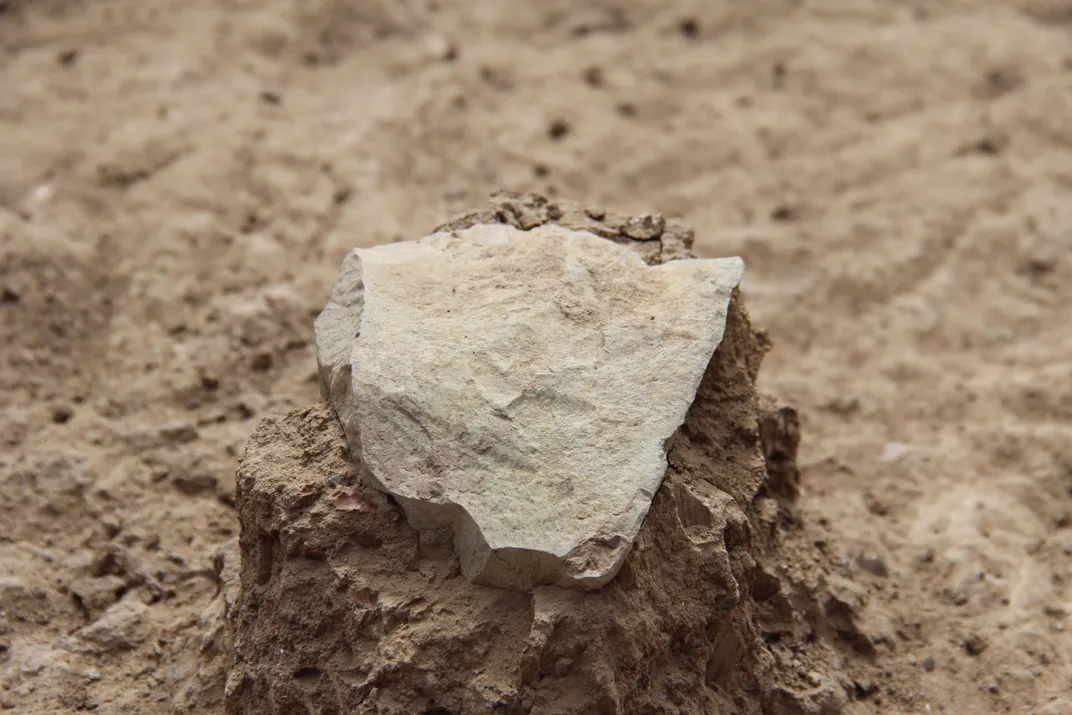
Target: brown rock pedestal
{"x": 345, "y": 608}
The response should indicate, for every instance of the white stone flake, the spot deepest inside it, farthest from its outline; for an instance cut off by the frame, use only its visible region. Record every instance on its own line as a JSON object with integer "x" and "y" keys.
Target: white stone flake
{"x": 520, "y": 387}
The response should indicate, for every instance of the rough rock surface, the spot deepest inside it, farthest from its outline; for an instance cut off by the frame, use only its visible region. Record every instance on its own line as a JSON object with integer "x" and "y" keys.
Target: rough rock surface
{"x": 520, "y": 387}
{"x": 345, "y": 607}
{"x": 199, "y": 677}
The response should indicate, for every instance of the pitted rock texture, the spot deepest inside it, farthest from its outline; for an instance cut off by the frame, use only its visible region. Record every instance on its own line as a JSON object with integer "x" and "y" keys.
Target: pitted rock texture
{"x": 520, "y": 387}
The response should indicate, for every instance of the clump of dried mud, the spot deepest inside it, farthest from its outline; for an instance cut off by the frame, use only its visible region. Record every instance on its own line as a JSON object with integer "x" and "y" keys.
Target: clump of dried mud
{"x": 345, "y": 608}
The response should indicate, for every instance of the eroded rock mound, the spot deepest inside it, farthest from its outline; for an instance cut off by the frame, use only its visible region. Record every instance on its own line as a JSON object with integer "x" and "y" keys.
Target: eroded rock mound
{"x": 345, "y": 607}
{"x": 520, "y": 387}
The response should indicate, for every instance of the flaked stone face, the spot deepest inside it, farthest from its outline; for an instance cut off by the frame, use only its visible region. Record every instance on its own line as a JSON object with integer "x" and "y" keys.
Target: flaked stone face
{"x": 520, "y": 387}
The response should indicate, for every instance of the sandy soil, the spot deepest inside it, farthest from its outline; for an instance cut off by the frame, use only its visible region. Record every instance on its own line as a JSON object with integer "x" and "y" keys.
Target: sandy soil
{"x": 179, "y": 181}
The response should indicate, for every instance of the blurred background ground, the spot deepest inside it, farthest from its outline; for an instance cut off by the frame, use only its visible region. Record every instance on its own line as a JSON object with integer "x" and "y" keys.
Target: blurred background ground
{"x": 179, "y": 181}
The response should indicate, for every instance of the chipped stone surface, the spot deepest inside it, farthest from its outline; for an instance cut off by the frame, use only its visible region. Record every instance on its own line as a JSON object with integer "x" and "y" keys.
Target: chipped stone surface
{"x": 520, "y": 387}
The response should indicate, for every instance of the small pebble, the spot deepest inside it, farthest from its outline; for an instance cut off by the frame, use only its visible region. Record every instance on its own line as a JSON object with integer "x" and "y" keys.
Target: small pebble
{"x": 61, "y": 414}
{"x": 975, "y": 644}
{"x": 1057, "y": 706}
{"x": 111, "y": 525}
{"x": 783, "y": 212}
{"x": 440, "y": 48}
{"x": 689, "y": 27}
{"x": 179, "y": 432}
{"x": 338, "y": 479}
{"x": 645, "y": 227}
{"x": 262, "y": 362}
{"x": 1063, "y": 520}
{"x": 44, "y": 554}
{"x": 873, "y": 564}
{"x": 593, "y": 77}
{"x": 894, "y": 451}
{"x": 928, "y": 663}
{"x": 875, "y": 505}
{"x": 558, "y": 129}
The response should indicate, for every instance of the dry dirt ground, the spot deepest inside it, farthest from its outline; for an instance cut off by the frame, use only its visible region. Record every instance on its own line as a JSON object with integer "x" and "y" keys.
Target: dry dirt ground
{"x": 179, "y": 181}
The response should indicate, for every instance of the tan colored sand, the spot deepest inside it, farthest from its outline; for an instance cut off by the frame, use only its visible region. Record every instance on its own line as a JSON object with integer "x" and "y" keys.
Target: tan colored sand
{"x": 179, "y": 180}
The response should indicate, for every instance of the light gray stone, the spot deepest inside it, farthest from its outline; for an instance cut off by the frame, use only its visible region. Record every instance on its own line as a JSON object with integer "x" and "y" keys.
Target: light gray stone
{"x": 521, "y": 388}
{"x": 123, "y": 626}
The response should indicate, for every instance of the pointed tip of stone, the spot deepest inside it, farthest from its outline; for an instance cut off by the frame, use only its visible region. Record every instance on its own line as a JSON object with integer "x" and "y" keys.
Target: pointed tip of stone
{"x": 501, "y": 382}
